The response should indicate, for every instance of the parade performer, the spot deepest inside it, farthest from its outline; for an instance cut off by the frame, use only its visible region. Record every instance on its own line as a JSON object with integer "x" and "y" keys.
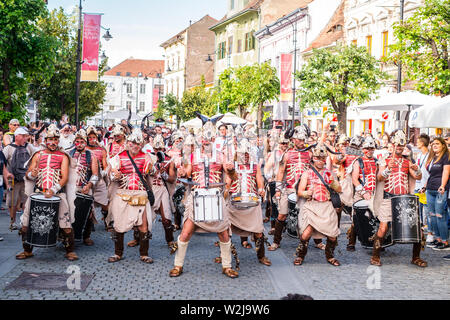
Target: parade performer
{"x": 100, "y": 190}
{"x": 398, "y": 175}
{"x": 364, "y": 180}
{"x": 242, "y": 205}
{"x": 118, "y": 144}
{"x": 292, "y": 165}
{"x": 87, "y": 177}
{"x": 205, "y": 168}
{"x": 51, "y": 173}
{"x": 318, "y": 217}
{"x": 129, "y": 205}
{"x": 163, "y": 173}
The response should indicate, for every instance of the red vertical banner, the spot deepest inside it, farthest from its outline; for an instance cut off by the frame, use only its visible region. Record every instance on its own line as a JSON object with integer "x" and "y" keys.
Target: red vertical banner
{"x": 91, "y": 47}
{"x": 286, "y": 77}
{"x": 155, "y": 99}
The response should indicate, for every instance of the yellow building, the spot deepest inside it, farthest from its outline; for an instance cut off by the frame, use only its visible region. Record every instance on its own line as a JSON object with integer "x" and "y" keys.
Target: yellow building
{"x": 235, "y": 43}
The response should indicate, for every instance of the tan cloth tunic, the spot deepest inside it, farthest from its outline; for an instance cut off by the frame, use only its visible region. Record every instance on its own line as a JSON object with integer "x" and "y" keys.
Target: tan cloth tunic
{"x": 244, "y": 222}
{"x": 321, "y": 216}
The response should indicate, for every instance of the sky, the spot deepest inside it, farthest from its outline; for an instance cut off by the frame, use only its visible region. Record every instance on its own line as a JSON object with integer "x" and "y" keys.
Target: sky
{"x": 139, "y": 27}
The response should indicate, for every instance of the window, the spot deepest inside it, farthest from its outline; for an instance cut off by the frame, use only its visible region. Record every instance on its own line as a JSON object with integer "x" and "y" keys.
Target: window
{"x": 142, "y": 106}
{"x": 111, "y": 108}
{"x": 142, "y": 91}
{"x": 231, "y": 4}
{"x": 128, "y": 74}
{"x": 221, "y": 51}
{"x": 118, "y": 73}
{"x": 230, "y": 45}
{"x": 128, "y": 105}
{"x": 129, "y": 88}
{"x": 385, "y": 44}
{"x": 239, "y": 46}
{"x": 249, "y": 41}
{"x": 369, "y": 44}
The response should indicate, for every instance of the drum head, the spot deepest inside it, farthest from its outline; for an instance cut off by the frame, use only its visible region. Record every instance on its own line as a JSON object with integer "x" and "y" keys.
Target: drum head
{"x": 84, "y": 196}
{"x": 292, "y": 197}
{"x": 41, "y": 197}
{"x": 361, "y": 204}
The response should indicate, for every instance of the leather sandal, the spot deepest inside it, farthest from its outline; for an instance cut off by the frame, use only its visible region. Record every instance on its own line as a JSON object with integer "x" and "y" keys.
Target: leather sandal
{"x": 88, "y": 242}
{"x": 420, "y": 263}
{"x": 71, "y": 256}
{"x": 320, "y": 246}
{"x": 274, "y": 246}
{"x": 114, "y": 258}
{"x": 133, "y": 243}
{"x": 265, "y": 261}
{"x": 271, "y": 231}
{"x": 298, "y": 261}
{"x": 230, "y": 273}
{"x": 146, "y": 259}
{"x": 375, "y": 261}
{"x": 24, "y": 255}
{"x": 246, "y": 245}
{"x": 176, "y": 271}
{"x": 218, "y": 260}
{"x": 333, "y": 262}
{"x": 216, "y": 244}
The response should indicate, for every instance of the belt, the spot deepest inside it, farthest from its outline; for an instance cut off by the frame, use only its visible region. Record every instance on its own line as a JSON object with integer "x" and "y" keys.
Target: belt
{"x": 387, "y": 195}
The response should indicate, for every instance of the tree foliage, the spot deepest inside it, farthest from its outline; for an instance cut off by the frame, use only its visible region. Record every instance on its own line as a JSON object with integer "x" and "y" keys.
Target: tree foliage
{"x": 337, "y": 77}
{"x": 199, "y": 99}
{"x": 422, "y": 46}
{"x": 26, "y": 52}
{"x": 57, "y": 96}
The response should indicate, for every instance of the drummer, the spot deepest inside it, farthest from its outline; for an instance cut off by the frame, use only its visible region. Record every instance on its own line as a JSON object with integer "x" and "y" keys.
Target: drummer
{"x": 364, "y": 179}
{"x": 197, "y": 169}
{"x": 87, "y": 177}
{"x": 118, "y": 144}
{"x": 292, "y": 165}
{"x": 48, "y": 174}
{"x": 398, "y": 175}
{"x": 250, "y": 182}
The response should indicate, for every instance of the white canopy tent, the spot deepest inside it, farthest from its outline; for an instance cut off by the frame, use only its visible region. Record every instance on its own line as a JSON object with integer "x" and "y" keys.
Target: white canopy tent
{"x": 434, "y": 115}
{"x": 402, "y": 101}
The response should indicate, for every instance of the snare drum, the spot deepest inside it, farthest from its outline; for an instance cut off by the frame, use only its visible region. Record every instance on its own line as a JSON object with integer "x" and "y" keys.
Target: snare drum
{"x": 83, "y": 204}
{"x": 208, "y": 205}
{"x": 405, "y": 219}
{"x": 292, "y": 218}
{"x": 43, "y": 227}
{"x": 245, "y": 201}
{"x": 366, "y": 225}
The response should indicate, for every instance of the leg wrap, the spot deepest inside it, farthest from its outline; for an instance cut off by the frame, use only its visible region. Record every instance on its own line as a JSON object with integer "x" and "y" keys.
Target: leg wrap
{"x": 26, "y": 246}
{"x": 259, "y": 247}
{"x": 329, "y": 248}
{"x": 302, "y": 249}
{"x": 118, "y": 242}
{"x": 168, "y": 230}
{"x": 416, "y": 250}
{"x": 377, "y": 241}
{"x": 225, "y": 253}
{"x": 144, "y": 243}
{"x": 279, "y": 226}
{"x": 180, "y": 253}
{"x": 136, "y": 234}
{"x": 88, "y": 228}
{"x": 69, "y": 241}
{"x": 351, "y": 235}
{"x": 177, "y": 217}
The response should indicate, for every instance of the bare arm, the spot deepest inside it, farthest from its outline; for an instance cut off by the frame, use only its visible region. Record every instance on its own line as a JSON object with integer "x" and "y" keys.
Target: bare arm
{"x": 172, "y": 173}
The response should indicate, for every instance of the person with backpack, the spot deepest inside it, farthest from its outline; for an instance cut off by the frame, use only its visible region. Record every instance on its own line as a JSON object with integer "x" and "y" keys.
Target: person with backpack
{"x": 17, "y": 154}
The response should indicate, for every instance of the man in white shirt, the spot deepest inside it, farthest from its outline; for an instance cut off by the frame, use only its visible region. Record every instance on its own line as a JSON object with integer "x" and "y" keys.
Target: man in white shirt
{"x": 422, "y": 144}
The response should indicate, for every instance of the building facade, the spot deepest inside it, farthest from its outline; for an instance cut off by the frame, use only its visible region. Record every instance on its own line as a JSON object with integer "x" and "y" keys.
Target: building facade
{"x": 186, "y": 57}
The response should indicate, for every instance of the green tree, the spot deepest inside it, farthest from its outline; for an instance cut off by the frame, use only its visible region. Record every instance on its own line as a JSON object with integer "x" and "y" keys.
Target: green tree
{"x": 57, "y": 96}
{"x": 26, "y": 52}
{"x": 338, "y": 77}
{"x": 199, "y": 99}
{"x": 169, "y": 106}
{"x": 247, "y": 88}
{"x": 422, "y": 46}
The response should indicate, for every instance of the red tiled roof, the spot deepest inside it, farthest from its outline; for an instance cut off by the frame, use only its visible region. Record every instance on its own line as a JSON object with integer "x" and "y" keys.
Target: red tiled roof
{"x": 148, "y": 68}
{"x": 330, "y": 34}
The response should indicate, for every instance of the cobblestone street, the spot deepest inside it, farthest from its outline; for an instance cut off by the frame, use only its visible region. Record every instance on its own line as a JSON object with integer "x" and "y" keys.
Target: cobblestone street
{"x": 202, "y": 278}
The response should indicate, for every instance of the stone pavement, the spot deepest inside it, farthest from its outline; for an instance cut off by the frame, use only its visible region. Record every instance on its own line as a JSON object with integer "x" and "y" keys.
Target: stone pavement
{"x": 202, "y": 278}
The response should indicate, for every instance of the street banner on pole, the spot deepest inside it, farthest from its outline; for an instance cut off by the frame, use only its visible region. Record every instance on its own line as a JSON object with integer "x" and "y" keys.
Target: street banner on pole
{"x": 286, "y": 77}
{"x": 91, "y": 46}
{"x": 155, "y": 99}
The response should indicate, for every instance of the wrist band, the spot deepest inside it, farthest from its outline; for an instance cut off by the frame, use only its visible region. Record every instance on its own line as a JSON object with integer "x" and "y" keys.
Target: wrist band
{"x": 55, "y": 188}
{"x": 94, "y": 180}
{"x": 359, "y": 188}
{"x": 30, "y": 176}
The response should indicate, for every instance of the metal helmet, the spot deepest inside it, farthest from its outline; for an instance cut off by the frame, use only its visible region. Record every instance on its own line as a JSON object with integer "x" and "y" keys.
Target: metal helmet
{"x": 369, "y": 142}
{"x": 356, "y": 141}
{"x": 135, "y": 136}
{"x": 91, "y": 130}
{"x": 320, "y": 150}
{"x": 176, "y": 135}
{"x": 343, "y": 139}
{"x": 118, "y": 130}
{"x": 398, "y": 137}
{"x": 81, "y": 134}
{"x": 299, "y": 133}
{"x": 52, "y": 131}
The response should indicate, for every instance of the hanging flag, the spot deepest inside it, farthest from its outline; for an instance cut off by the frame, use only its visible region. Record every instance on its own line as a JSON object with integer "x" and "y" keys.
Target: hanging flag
{"x": 91, "y": 47}
{"x": 286, "y": 77}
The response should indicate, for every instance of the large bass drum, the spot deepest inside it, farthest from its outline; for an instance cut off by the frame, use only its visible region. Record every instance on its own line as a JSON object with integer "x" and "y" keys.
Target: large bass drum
{"x": 405, "y": 219}
{"x": 366, "y": 225}
{"x": 83, "y": 205}
{"x": 44, "y": 225}
{"x": 292, "y": 218}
